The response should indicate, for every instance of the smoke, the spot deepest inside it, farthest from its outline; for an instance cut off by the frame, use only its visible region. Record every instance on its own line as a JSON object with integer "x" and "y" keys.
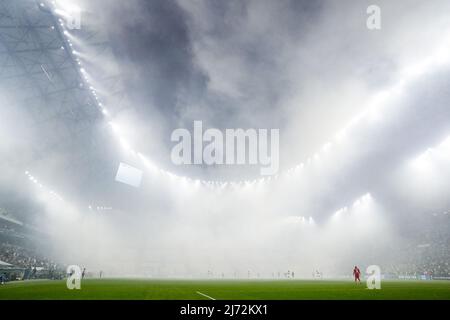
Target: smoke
{"x": 355, "y": 108}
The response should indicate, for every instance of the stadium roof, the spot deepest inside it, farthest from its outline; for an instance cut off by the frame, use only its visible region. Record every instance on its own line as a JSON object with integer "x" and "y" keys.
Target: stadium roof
{"x": 42, "y": 82}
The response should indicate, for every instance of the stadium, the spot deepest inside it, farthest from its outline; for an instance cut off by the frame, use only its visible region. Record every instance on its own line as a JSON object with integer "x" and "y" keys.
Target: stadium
{"x": 224, "y": 150}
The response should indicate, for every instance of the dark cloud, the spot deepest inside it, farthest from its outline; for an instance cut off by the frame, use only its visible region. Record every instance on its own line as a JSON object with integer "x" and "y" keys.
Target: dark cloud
{"x": 155, "y": 45}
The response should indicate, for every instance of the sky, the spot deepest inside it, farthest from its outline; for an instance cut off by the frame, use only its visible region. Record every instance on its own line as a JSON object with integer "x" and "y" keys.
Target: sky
{"x": 356, "y": 108}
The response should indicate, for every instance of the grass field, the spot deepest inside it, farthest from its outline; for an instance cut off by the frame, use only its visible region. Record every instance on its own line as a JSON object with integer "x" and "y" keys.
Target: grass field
{"x": 92, "y": 289}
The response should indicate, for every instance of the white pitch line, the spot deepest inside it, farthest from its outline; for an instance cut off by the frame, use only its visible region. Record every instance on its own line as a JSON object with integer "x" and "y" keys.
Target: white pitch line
{"x": 205, "y": 295}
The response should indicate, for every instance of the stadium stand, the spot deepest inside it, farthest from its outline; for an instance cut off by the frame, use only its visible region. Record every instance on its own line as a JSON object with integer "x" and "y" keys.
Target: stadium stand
{"x": 18, "y": 258}
{"x": 426, "y": 255}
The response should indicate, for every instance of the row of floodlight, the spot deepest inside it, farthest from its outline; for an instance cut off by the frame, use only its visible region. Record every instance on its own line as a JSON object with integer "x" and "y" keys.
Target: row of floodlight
{"x": 363, "y": 200}
{"x": 34, "y": 180}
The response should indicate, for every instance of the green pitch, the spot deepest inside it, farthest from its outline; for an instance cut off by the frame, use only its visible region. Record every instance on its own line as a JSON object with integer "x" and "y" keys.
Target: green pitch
{"x": 223, "y": 289}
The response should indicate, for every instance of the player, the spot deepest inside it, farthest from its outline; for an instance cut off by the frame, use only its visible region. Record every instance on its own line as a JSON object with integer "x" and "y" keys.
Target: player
{"x": 356, "y": 274}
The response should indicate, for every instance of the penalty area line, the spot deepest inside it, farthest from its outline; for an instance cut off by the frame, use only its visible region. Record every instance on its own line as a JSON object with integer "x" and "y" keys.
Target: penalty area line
{"x": 205, "y": 295}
